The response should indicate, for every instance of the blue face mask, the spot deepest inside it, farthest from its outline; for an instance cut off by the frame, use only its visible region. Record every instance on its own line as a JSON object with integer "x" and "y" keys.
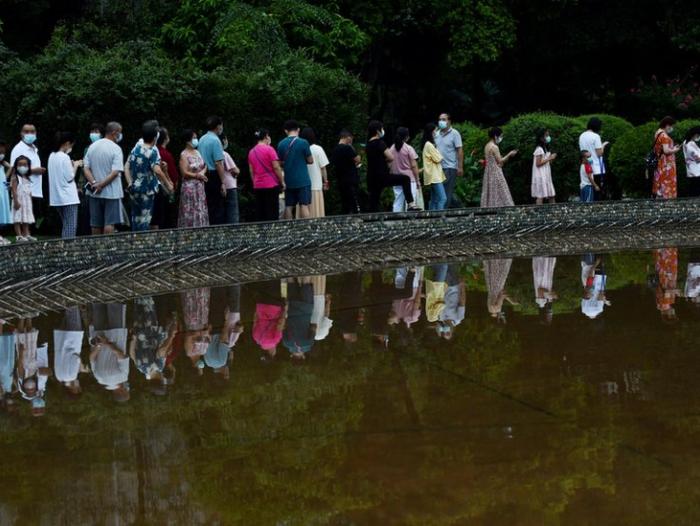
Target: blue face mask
{"x": 95, "y": 137}
{"x": 29, "y": 138}
{"x": 442, "y": 124}
{"x": 381, "y": 134}
{"x": 548, "y": 139}
{"x": 194, "y": 142}
{"x": 120, "y": 137}
{"x": 589, "y": 160}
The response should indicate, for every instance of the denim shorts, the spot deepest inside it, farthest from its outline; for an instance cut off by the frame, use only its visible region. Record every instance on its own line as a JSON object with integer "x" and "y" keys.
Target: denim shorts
{"x": 297, "y": 196}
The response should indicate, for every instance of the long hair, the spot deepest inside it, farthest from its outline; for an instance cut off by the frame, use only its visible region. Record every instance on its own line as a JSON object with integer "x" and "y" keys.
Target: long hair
{"x": 400, "y": 138}
{"x": 373, "y": 128}
{"x": 29, "y": 163}
{"x": 540, "y": 134}
{"x": 428, "y": 132}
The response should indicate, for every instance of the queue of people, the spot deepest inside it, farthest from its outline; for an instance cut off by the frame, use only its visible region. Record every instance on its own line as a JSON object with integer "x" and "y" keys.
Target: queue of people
{"x": 201, "y": 187}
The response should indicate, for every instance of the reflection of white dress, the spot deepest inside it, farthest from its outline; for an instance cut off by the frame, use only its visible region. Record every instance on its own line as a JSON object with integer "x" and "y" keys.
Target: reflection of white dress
{"x": 692, "y": 283}
{"x": 543, "y": 277}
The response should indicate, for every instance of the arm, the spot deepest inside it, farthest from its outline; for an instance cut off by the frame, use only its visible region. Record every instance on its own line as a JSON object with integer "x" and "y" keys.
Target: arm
{"x": 108, "y": 180}
{"x": 460, "y": 161}
{"x": 189, "y": 174}
{"x": 388, "y": 156}
{"x": 541, "y": 160}
{"x": 13, "y": 179}
{"x": 415, "y": 170}
{"x": 277, "y": 167}
{"x": 163, "y": 178}
{"x": 127, "y": 174}
{"x": 222, "y": 173}
{"x": 309, "y": 159}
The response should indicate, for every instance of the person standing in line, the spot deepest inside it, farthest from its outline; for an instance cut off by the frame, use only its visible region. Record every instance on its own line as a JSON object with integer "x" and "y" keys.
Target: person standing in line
{"x": 378, "y": 175}
{"x": 496, "y": 274}
{"x": 22, "y": 198}
{"x": 231, "y": 172}
{"x": 543, "y": 279}
{"x": 404, "y": 163}
{"x": 455, "y": 303}
{"x": 691, "y": 152}
{"x": 346, "y": 162}
{"x": 449, "y": 142}
{"x": 27, "y": 147}
{"x": 591, "y": 142}
{"x": 667, "y": 291}
{"x": 298, "y": 336}
{"x": 317, "y": 172}
{"x": 33, "y": 370}
{"x": 267, "y": 175}
{"x": 495, "y": 191}
{"x": 108, "y": 340}
{"x": 665, "y": 183}
{"x": 212, "y": 151}
{"x": 433, "y": 174}
{"x": 193, "y": 200}
{"x": 320, "y": 320}
{"x": 542, "y": 187}
{"x": 5, "y": 207}
{"x": 269, "y": 319}
{"x": 96, "y": 132}
{"x": 103, "y": 166}
{"x": 587, "y": 184}
{"x": 295, "y": 154}
{"x": 63, "y": 193}
{"x": 165, "y": 206}
{"x": 67, "y": 344}
{"x": 144, "y": 171}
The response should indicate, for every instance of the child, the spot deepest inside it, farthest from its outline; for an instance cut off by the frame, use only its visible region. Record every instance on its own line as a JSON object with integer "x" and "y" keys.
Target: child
{"x": 22, "y": 198}
{"x": 588, "y": 184}
{"x": 5, "y": 210}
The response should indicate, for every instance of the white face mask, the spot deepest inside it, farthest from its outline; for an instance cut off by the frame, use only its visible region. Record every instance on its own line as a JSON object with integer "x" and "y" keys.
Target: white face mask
{"x": 2, "y": 156}
{"x": 22, "y": 170}
{"x": 69, "y": 150}
{"x": 499, "y": 140}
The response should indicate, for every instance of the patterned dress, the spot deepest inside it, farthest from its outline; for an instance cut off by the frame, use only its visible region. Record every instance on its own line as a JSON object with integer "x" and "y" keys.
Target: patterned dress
{"x": 25, "y": 214}
{"x": 542, "y": 186}
{"x": 666, "y": 260}
{"x": 665, "y": 174}
{"x": 193, "y": 199}
{"x": 494, "y": 190}
{"x": 142, "y": 162}
{"x": 496, "y": 274}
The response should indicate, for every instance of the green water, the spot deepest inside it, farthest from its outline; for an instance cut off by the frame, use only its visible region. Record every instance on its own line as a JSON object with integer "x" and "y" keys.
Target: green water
{"x": 522, "y": 413}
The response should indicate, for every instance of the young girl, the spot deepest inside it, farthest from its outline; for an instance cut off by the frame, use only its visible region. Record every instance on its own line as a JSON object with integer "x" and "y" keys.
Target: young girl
{"x": 542, "y": 187}
{"x": 588, "y": 184}
{"x": 5, "y": 210}
{"x": 22, "y": 198}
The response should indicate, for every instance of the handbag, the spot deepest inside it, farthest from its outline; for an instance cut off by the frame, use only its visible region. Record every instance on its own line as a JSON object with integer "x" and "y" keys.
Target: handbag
{"x": 651, "y": 161}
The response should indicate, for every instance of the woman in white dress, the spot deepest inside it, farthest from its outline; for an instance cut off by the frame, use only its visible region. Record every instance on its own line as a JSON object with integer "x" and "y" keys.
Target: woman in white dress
{"x": 317, "y": 173}
{"x": 542, "y": 187}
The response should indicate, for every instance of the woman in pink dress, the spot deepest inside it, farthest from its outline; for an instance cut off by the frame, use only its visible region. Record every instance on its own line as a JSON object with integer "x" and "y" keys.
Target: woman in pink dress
{"x": 494, "y": 188}
{"x": 193, "y": 200}
{"x": 542, "y": 187}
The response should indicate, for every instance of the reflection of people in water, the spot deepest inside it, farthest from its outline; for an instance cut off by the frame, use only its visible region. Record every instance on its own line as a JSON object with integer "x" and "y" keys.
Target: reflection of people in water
{"x": 594, "y": 281}
{"x": 270, "y": 317}
{"x": 349, "y": 313}
{"x": 409, "y": 310}
{"x": 32, "y": 366}
{"x": 543, "y": 277}
{"x": 220, "y": 351}
{"x": 67, "y": 345}
{"x": 381, "y": 297}
{"x": 7, "y": 364}
{"x": 108, "y": 340}
{"x": 322, "y": 308}
{"x": 455, "y": 303}
{"x": 666, "y": 260}
{"x": 692, "y": 282}
{"x": 299, "y": 335}
{"x": 496, "y": 274}
{"x": 195, "y": 308}
{"x": 150, "y": 343}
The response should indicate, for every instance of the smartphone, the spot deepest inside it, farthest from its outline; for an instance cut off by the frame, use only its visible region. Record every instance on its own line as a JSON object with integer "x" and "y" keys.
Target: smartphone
{"x": 87, "y": 188}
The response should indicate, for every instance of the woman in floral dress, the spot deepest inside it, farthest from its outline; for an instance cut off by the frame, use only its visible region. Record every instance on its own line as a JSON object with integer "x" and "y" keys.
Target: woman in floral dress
{"x": 665, "y": 175}
{"x": 495, "y": 192}
{"x": 193, "y": 200}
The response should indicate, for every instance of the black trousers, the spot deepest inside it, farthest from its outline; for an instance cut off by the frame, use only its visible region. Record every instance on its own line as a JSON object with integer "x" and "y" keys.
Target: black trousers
{"x": 349, "y": 197}
{"x": 376, "y": 187}
{"x": 267, "y": 204}
{"x": 216, "y": 203}
{"x": 694, "y": 186}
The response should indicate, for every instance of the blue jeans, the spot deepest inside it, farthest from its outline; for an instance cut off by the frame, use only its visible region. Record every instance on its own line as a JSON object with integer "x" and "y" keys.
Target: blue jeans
{"x": 438, "y": 197}
{"x": 231, "y": 204}
{"x": 587, "y": 194}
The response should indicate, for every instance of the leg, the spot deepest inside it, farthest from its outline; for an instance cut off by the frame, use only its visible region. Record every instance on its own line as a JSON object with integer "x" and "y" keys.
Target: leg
{"x": 304, "y": 201}
{"x": 97, "y": 213}
{"x": 449, "y": 183}
{"x": 25, "y": 229}
{"x": 304, "y": 212}
{"x": 272, "y": 204}
{"x": 18, "y": 230}
{"x": 232, "y": 206}
{"x": 538, "y": 201}
{"x": 375, "y": 194}
{"x": 441, "y": 196}
{"x": 70, "y": 222}
{"x": 405, "y": 182}
{"x": 551, "y": 200}
{"x": 399, "y": 201}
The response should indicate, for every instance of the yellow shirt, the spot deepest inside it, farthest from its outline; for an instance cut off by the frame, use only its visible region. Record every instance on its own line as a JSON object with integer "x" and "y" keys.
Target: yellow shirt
{"x": 434, "y": 298}
{"x": 432, "y": 165}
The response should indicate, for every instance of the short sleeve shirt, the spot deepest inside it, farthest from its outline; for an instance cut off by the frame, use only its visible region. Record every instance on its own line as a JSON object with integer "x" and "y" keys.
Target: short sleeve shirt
{"x": 211, "y": 149}
{"x": 343, "y": 160}
{"x": 31, "y": 152}
{"x": 229, "y": 181}
{"x": 590, "y": 141}
{"x": 403, "y": 160}
{"x": 448, "y": 143}
{"x": 293, "y": 152}
{"x": 320, "y": 161}
{"x": 260, "y": 159}
{"x": 142, "y": 161}
{"x": 377, "y": 168}
{"x": 102, "y": 158}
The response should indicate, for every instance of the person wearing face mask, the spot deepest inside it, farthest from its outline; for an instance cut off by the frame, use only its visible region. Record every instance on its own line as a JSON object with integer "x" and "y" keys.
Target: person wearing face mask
{"x": 379, "y": 158}
{"x": 542, "y": 187}
{"x": 691, "y": 152}
{"x": 27, "y": 147}
{"x": 587, "y": 184}
{"x": 103, "y": 166}
{"x": 212, "y": 151}
{"x": 193, "y": 199}
{"x": 63, "y": 192}
{"x": 22, "y": 198}
{"x": 495, "y": 191}
{"x": 665, "y": 182}
{"x": 5, "y": 208}
{"x": 165, "y": 206}
{"x": 345, "y": 162}
{"x": 95, "y": 133}
{"x": 591, "y": 142}
{"x": 268, "y": 178}
{"x": 449, "y": 142}
{"x": 231, "y": 172}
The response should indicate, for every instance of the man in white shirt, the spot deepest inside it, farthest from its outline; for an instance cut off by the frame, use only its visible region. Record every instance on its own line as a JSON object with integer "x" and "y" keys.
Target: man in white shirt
{"x": 67, "y": 344}
{"x": 103, "y": 166}
{"x": 590, "y": 141}
{"x": 27, "y": 147}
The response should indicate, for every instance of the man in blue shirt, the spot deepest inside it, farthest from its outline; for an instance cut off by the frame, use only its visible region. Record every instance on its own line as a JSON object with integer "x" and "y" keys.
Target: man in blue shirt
{"x": 212, "y": 151}
{"x": 449, "y": 142}
{"x": 295, "y": 154}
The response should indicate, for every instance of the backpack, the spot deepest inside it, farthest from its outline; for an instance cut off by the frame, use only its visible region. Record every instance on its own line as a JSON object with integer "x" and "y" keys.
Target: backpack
{"x": 651, "y": 161}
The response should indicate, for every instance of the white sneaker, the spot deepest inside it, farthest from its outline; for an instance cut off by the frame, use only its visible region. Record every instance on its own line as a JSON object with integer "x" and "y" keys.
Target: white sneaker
{"x": 22, "y": 239}
{"x": 31, "y": 238}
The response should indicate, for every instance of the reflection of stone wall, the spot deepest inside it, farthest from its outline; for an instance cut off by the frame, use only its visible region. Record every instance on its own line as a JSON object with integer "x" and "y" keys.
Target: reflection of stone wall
{"x": 54, "y": 274}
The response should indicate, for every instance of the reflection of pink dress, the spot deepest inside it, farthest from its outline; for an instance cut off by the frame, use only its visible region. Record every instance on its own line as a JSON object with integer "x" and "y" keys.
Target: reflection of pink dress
{"x": 195, "y": 306}
{"x": 25, "y": 214}
{"x": 543, "y": 277}
{"x": 494, "y": 190}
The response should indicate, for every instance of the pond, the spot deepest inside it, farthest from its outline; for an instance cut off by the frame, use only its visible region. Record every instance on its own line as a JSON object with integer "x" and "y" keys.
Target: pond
{"x": 526, "y": 391}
